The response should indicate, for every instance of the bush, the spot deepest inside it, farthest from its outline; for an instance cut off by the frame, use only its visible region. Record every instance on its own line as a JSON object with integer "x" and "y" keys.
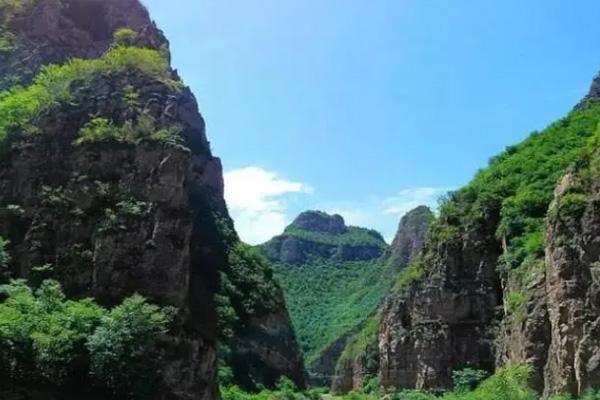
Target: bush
{"x": 124, "y": 37}
{"x": 121, "y": 347}
{"x": 467, "y": 379}
{"x": 48, "y": 340}
{"x": 19, "y": 106}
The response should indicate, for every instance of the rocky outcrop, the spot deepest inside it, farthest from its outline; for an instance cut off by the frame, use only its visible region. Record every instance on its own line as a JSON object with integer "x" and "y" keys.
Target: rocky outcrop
{"x": 356, "y": 364}
{"x": 109, "y": 219}
{"x": 444, "y": 321}
{"x": 359, "y": 361}
{"x": 41, "y": 32}
{"x": 315, "y": 236}
{"x": 573, "y": 283}
{"x": 410, "y": 236}
{"x": 266, "y": 350}
{"x": 318, "y": 221}
{"x": 323, "y": 368}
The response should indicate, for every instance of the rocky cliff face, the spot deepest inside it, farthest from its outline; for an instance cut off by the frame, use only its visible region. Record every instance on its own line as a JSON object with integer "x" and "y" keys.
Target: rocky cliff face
{"x": 35, "y": 33}
{"x": 410, "y": 236}
{"x": 136, "y": 207}
{"x": 506, "y": 276}
{"x": 315, "y": 235}
{"x": 572, "y": 283}
{"x": 445, "y": 322}
{"x": 359, "y": 359}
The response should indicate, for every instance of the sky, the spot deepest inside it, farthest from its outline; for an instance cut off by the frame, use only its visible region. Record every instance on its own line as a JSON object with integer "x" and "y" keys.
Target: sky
{"x": 368, "y": 108}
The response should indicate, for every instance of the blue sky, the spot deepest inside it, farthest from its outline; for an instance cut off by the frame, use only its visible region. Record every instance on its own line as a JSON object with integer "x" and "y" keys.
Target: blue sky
{"x": 370, "y": 107}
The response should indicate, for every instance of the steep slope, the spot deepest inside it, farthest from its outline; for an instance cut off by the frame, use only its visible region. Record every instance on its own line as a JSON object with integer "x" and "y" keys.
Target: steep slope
{"x": 359, "y": 360}
{"x": 483, "y": 265}
{"x": 258, "y": 341}
{"x": 109, "y": 186}
{"x": 410, "y": 236}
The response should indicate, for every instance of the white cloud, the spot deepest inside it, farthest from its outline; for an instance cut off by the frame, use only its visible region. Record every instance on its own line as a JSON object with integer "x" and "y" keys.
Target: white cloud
{"x": 407, "y": 199}
{"x": 256, "y": 200}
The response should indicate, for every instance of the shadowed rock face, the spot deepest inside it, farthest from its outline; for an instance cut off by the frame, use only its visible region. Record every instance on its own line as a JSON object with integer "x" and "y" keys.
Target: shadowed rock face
{"x": 169, "y": 251}
{"x": 445, "y": 321}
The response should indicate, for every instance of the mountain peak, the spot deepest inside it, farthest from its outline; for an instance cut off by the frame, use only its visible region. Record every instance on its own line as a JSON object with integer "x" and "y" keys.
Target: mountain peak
{"x": 410, "y": 236}
{"x": 316, "y": 235}
{"x": 319, "y": 221}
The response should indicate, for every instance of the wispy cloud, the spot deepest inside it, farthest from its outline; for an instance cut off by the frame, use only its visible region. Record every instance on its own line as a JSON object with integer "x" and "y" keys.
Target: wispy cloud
{"x": 407, "y": 199}
{"x": 257, "y": 201}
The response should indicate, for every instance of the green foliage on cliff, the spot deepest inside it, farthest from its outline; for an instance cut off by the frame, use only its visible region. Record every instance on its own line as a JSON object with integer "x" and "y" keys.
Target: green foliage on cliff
{"x": 124, "y": 37}
{"x": 249, "y": 290}
{"x": 364, "y": 344}
{"x": 413, "y": 272}
{"x": 53, "y": 85}
{"x": 516, "y": 189}
{"x": 354, "y": 236}
{"x": 327, "y": 300}
{"x": 48, "y": 340}
{"x": 100, "y": 130}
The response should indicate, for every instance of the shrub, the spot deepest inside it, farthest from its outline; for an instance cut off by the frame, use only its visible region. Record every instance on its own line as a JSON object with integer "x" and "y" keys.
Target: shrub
{"x": 571, "y": 206}
{"x": 467, "y": 379}
{"x": 19, "y": 106}
{"x": 121, "y": 347}
{"x": 124, "y": 37}
{"x": 49, "y": 340}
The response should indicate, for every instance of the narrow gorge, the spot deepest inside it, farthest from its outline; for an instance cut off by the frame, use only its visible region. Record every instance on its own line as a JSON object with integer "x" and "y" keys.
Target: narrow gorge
{"x": 122, "y": 275}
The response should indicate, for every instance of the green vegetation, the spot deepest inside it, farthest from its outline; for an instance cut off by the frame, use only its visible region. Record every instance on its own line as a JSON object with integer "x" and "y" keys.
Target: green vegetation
{"x": 53, "y": 86}
{"x": 354, "y": 236}
{"x": 248, "y": 290}
{"x": 327, "y": 300}
{"x": 468, "y": 379}
{"x": 100, "y": 130}
{"x": 10, "y": 8}
{"x": 48, "y": 340}
{"x": 412, "y": 273}
{"x": 511, "y": 383}
{"x": 285, "y": 390}
{"x": 124, "y": 37}
{"x": 364, "y": 344}
{"x": 516, "y": 190}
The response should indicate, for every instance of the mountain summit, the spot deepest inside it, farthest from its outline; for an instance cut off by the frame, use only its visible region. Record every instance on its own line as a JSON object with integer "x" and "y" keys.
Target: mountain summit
{"x": 315, "y": 235}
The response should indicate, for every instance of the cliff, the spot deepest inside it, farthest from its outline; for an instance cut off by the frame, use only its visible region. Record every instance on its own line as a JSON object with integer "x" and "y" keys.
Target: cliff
{"x": 500, "y": 255}
{"x": 109, "y": 186}
{"x": 358, "y": 360}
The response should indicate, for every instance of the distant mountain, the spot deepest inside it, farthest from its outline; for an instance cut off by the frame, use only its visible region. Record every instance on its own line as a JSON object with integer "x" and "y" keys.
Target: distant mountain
{"x": 334, "y": 277}
{"x": 317, "y": 236}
